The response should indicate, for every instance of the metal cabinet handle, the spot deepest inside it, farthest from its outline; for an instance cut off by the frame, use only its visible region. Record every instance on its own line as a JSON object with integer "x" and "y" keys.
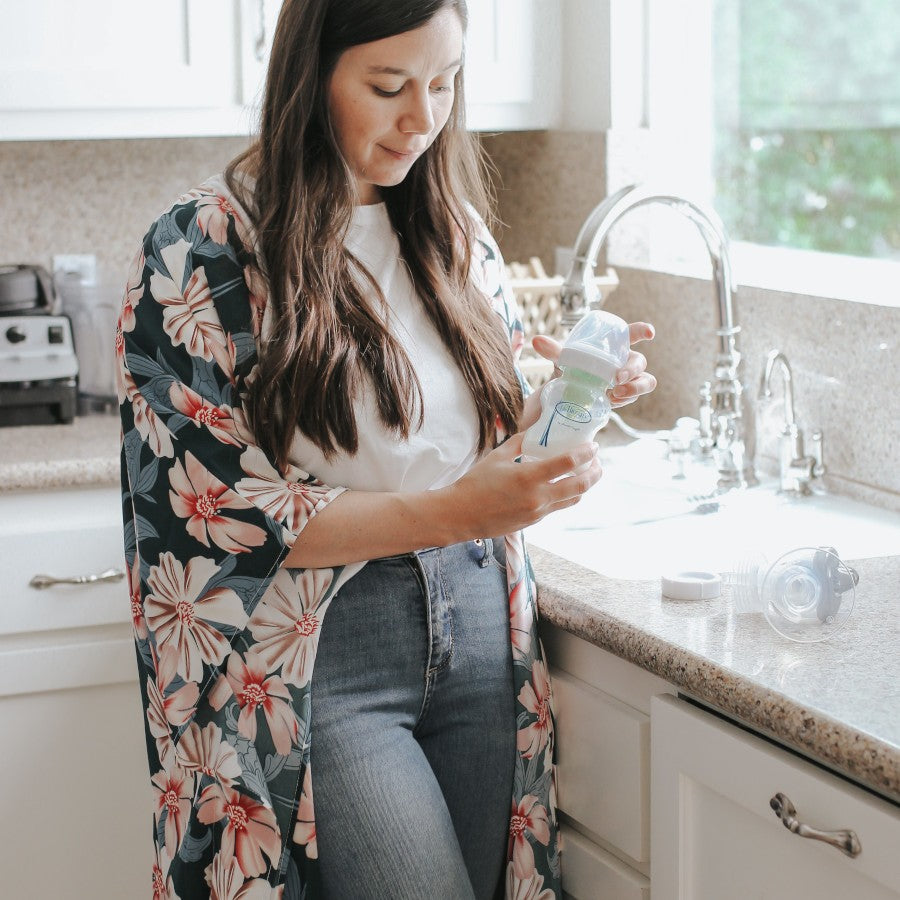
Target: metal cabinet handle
{"x": 44, "y": 581}
{"x": 845, "y": 840}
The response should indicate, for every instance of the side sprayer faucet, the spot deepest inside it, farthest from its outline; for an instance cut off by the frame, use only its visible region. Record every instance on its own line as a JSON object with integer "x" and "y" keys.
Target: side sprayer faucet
{"x": 795, "y": 467}
{"x": 726, "y": 422}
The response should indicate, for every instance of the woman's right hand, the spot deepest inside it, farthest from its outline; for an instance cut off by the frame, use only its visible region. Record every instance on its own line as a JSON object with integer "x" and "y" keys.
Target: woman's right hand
{"x": 499, "y": 495}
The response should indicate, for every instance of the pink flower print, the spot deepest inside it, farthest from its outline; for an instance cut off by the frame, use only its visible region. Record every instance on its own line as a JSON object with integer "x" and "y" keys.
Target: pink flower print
{"x": 521, "y": 620}
{"x": 180, "y": 617}
{"x": 226, "y": 882}
{"x": 174, "y": 793}
{"x": 224, "y": 423}
{"x": 283, "y": 498}
{"x": 259, "y": 297}
{"x": 535, "y": 697}
{"x": 198, "y": 496}
{"x": 213, "y": 213}
{"x": 163, "y": 887}
{"x": 305, "y": 826}
{"x": 165, "y": 713}
{"x": 247, "y": 677}
{"x": 150, "y": 427}
{"x": 530, "y": 888}
{"x": 134, "y": 290}
{"x": 207, "y": 752}
{"x": 119, "y": 345}
{"x": 287, "y": 622}
{"x": 138, "y": 622}
{"x": 250, "y": 830}
{"x": 189, "y": 315}
{"x": 527, "y": 816}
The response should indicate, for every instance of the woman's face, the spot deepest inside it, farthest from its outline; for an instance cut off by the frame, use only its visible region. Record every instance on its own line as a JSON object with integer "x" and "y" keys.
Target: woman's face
{"x": 389, "y": 99}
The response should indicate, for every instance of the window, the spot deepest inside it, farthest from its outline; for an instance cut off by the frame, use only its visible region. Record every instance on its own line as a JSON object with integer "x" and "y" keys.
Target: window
{"x": 806, "y": 123}
{"x": 785, "y": 115}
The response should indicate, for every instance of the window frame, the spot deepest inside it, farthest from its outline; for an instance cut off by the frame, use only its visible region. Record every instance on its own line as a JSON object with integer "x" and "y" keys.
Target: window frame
{"x": 647, "y": 91}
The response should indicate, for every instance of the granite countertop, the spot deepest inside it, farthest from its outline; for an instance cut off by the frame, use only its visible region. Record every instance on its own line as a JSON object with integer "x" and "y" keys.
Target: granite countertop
{"x": 837, "y": 701}
{"x": 43, "y": 457}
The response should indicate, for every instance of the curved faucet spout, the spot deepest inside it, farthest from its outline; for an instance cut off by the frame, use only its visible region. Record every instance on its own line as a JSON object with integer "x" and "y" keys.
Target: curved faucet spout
{"x": 733, "y": 440}
{"x": 777, "y": 358}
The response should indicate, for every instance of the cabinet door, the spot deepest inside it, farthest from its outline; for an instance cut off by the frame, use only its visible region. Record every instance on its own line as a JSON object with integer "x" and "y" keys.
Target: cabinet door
{"x": 591, "y": 873}
{"x": 512, "y": 63}
{"x": 74, "y": 778}
{"x": 105, "y": 54}
{"x": 603, "y": 765}
{"x": 258, "y": 20}
{"x": 107, "y": 69}
{"x": 714, "y": 834}
{"x": 76, "y": 794}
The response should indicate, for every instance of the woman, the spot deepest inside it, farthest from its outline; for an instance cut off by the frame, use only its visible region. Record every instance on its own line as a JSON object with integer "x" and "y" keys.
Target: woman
{"x": 334, "y": 305}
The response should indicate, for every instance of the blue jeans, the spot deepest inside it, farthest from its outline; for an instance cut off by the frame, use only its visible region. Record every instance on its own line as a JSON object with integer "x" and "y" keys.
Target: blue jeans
{"x": 414, "y": 730}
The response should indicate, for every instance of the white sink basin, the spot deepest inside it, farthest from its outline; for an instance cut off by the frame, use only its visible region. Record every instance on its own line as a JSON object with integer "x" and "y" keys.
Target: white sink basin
{"x": 639, "y": 523}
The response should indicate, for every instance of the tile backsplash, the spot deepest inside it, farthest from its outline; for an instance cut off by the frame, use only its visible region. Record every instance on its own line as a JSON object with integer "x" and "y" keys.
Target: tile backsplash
{"x": 100, "y": 196}
{"x": 96, "y": 196}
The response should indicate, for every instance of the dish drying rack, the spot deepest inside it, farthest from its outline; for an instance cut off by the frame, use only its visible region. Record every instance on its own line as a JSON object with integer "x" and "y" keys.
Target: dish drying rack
{"x": 537, "y": 296}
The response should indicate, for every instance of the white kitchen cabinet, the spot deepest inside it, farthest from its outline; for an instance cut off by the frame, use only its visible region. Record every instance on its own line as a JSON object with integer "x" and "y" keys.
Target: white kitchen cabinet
{"x": 715, "y": 835}
{"x": 106, "y": 69}
{"x": 513, "y": 64}
{"x": 102, "y": 68}
{"x": 74, "y": 779}
{"x": 602, "y": 706}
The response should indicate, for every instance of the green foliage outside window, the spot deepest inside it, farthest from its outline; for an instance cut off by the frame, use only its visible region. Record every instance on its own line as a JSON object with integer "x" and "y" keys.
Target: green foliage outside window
{"x": 808, "y": 124}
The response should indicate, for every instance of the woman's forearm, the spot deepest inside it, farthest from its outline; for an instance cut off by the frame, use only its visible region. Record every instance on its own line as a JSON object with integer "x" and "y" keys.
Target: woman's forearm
{"x": 361, "y": 525}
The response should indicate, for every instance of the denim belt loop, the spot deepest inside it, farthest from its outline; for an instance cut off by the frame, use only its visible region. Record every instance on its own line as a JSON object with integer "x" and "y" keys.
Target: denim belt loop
{"x": 486, "y": 545}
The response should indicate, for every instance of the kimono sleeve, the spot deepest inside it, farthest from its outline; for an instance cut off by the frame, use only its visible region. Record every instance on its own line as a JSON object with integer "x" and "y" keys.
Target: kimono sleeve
{"x": 490, "y": 275}
{"x": 212, "y": 516}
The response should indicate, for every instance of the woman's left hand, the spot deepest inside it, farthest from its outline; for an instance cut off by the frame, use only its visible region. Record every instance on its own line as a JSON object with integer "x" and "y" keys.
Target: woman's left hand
{"x": 632, "y": 380}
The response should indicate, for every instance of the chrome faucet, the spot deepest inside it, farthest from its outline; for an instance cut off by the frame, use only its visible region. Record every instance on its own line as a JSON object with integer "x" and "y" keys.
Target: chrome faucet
{"x": 726, "y": 424}
{"x": 795, "y": 467}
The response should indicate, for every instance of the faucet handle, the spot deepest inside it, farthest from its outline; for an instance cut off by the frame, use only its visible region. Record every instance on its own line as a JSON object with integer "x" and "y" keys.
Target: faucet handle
{"x": 817, "y": 453}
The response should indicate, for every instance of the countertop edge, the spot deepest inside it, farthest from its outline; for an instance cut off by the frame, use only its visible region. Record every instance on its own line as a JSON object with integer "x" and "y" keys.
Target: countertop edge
{"x": 861, "y": 757}
{"x": 40, "y": 476}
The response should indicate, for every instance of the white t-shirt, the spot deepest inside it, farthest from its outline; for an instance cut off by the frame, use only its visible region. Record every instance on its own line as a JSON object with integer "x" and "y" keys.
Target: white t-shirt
{"x": 446, "y": 445}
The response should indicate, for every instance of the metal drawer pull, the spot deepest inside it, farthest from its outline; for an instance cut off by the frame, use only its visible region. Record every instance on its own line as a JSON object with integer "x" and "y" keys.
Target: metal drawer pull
{"x": 44, "y": 581}
{"x": 846, "y": 840}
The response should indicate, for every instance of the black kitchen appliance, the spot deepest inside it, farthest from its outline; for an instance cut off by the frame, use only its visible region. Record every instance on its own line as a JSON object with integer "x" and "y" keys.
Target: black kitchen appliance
{"x": 38, "y": 366}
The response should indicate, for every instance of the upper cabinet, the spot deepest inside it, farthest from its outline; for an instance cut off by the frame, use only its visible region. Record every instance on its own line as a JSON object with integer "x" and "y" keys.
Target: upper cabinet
{"x": 103, "y": 68}
{"x": 107, "y": 69}
{"x": 513, "y": 64}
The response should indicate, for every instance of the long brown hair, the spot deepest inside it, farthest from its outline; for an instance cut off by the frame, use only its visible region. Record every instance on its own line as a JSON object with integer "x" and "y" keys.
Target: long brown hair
{"x": 326, "y": 332}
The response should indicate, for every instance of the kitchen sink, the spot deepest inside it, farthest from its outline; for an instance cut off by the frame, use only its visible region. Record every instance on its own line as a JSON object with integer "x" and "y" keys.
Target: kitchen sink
{"x": 640, "y": 522}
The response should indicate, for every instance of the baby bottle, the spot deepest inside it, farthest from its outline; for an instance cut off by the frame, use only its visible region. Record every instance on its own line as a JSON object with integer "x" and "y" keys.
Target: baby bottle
{"x": 575, "y": 406}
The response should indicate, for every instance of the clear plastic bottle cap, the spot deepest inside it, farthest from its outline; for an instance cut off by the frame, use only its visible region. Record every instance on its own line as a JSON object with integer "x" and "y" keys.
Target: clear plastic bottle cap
{"x": 599, "y": 344}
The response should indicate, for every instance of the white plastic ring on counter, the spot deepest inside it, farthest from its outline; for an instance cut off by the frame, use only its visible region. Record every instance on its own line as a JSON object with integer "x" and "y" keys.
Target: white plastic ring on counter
{"x": 692, "y": 585}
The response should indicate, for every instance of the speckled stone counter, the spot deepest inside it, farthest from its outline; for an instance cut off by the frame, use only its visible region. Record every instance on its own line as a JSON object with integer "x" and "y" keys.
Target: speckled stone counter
{"x": 837, "y": 702}
{"x": 43, "y": 457}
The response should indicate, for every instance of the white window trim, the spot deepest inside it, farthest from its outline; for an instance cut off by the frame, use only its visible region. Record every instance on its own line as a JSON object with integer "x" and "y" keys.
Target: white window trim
{"x": 669, "y": 61}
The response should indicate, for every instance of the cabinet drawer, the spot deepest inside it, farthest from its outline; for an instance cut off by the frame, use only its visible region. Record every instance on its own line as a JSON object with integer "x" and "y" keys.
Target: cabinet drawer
{"x": 603, "y": 670}
{"x": 715, "y": 834}
{"x": 603, "y": 765}
{"x": 590, "y": 873}
{"x": 60, "y": 533}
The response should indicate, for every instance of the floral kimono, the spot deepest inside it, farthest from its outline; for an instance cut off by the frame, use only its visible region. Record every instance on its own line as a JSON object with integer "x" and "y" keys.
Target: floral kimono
{"x": 226, "y": 635}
